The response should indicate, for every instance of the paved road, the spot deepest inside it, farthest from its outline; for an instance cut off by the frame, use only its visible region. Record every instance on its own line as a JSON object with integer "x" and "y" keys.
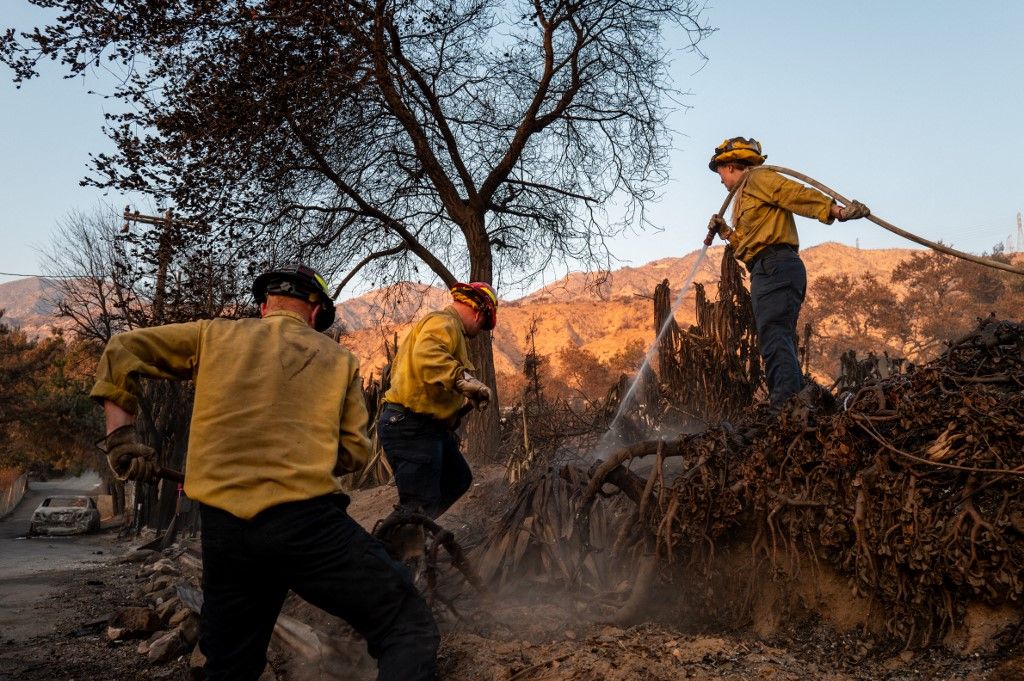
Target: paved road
{"x": 32, "y": 568}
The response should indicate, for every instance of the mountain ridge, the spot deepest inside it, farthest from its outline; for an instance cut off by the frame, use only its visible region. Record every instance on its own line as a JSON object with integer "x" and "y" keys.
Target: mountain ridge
{"x": 600, "y": 312}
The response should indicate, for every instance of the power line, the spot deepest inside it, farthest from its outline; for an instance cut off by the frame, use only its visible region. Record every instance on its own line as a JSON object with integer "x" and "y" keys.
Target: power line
{"x": 44, "y": 276}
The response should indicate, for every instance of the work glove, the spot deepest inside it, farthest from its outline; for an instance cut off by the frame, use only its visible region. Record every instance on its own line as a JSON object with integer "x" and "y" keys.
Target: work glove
{"x": 128, "y": 458}
{"x": 855, "y": 210}
{"x": 475, "y": 391}
{"x": 717, "y": 225}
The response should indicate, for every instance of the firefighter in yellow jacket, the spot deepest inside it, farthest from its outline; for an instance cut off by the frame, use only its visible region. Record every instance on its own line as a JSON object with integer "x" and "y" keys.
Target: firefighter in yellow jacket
{"x": 279, "y": 412}
{"x": 431, "y": 385}
{"x": 763, "y": 236}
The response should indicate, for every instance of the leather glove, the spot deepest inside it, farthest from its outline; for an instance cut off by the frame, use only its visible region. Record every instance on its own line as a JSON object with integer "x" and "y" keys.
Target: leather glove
{"x": 717, "y": 225}
{"x": 475, "y": 391}
{"x": 128, "y": 458}
{"x": 855, "y": 210}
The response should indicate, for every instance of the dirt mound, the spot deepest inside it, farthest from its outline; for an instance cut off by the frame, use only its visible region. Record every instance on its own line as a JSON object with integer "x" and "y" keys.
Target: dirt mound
{"x": 909, "y": 488}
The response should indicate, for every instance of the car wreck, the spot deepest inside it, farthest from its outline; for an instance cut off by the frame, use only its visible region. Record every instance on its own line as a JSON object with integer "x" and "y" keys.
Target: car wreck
{"x": 65, "y": 515}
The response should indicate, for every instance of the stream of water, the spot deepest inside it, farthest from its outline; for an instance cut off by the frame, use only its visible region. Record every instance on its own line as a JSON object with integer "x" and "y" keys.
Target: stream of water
{"x": 624, "y": 403}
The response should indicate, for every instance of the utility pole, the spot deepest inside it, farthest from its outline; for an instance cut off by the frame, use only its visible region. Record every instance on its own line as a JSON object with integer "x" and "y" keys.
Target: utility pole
{"x": 1020, "y": 234}
{"x": 166, "y": 223}
{"x": 162, "y": 420}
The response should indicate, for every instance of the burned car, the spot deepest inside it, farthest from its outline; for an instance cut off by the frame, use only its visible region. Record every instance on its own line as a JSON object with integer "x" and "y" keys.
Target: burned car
{"x": 63, "y": 515}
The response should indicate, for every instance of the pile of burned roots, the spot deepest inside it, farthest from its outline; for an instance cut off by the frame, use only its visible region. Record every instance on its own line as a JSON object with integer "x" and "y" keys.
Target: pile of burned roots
{"x": 911, "y": 486}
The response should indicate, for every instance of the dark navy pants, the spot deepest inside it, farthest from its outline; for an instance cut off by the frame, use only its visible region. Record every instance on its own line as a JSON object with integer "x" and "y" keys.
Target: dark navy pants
{"x": 315, "y": 549}
{"x": 778, "y": 283}
{"x": 430, "y": 472}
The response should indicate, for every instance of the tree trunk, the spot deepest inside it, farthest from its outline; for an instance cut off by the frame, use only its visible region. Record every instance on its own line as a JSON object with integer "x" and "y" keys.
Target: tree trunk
{"x": 481, "y": 433}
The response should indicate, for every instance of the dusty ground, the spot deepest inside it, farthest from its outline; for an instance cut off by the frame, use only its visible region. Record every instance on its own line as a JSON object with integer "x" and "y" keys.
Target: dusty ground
{"x": 532, "y": 635}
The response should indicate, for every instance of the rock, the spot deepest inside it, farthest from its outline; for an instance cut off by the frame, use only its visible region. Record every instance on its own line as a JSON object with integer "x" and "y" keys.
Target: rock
{"x": 196, "y": 662}
{"x": 168, "y": 608}
{"x": 179, "y": 616}
{"x": 162, "y": 567}
{"x": 133, "y": 623}
{"x": 158, "y": 583}
{"x": 163, "y": 595}
{"x": 137, "y": 556}
{"x": 190, "y": 596}
{"x": 189, "y": 629}
{"x": 166, "y": 648}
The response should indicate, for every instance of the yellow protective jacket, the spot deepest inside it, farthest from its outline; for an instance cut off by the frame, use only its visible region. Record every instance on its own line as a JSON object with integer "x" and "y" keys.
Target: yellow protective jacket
{"x": 279, "y": 408}
{"x": 763, "y": 212}
{"x": 429, "y": 360}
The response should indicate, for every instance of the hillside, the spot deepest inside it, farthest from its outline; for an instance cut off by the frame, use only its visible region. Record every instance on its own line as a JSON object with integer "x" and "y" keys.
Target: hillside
{"x": 601, "y": 313}
{"x": 27, "y": 303}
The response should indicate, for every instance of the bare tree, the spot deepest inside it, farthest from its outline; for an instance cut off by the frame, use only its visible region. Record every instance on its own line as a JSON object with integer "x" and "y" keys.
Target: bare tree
{"x": 481, "y": 139}
{"x": 90, "y": 286}
{"x": 112, "y": 274}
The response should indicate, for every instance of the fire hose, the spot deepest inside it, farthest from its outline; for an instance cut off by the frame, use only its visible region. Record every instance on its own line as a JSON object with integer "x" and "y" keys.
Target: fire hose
{"x": 941, "y": 248}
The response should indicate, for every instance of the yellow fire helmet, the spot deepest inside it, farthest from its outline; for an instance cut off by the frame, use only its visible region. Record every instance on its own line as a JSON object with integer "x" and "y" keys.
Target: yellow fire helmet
{"x": 740, "y": 149}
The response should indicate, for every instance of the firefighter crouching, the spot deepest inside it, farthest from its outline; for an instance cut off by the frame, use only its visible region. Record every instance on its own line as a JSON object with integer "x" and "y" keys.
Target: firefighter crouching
{"x": 279, "y": 412}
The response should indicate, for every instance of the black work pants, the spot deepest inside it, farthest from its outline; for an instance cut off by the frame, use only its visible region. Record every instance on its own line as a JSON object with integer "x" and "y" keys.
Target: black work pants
{"x": 315, "y": 549}
{"x": 778, "y": 283}
{"x": 430, "y": 471}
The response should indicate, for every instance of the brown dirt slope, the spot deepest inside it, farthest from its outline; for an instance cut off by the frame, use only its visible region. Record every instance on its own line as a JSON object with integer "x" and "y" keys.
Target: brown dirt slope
{"x": 600, "y": 312}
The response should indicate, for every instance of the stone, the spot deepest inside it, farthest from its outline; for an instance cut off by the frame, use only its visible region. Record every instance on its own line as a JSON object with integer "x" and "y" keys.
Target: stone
{"x": 189, "y": 630}
{"x": 196, "y": 662}
{"x": 132, "y": 622}
{"x": 158, "y": 597}
{"x": 179, "y": 616}
{"x": 158, "y": 583}
{"x": 168, "y": 608}
{"x": 166, "y": 648}
{"x": 137, "y": 556}
{"x": 162, "y": 567}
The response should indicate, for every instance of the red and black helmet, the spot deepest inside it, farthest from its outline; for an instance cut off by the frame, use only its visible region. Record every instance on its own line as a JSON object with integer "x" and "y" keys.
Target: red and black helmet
{"x": 482, "y": 298}
{"x": 297, "y": 281}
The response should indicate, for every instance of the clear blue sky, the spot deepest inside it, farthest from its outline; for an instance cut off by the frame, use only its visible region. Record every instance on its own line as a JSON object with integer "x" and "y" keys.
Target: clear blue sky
{"x": 914, "y": 108}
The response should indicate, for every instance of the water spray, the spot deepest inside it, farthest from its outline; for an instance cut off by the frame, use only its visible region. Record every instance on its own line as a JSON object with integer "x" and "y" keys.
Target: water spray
{"x": 626, "y": 399}
{"x": 657, "y": 339}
